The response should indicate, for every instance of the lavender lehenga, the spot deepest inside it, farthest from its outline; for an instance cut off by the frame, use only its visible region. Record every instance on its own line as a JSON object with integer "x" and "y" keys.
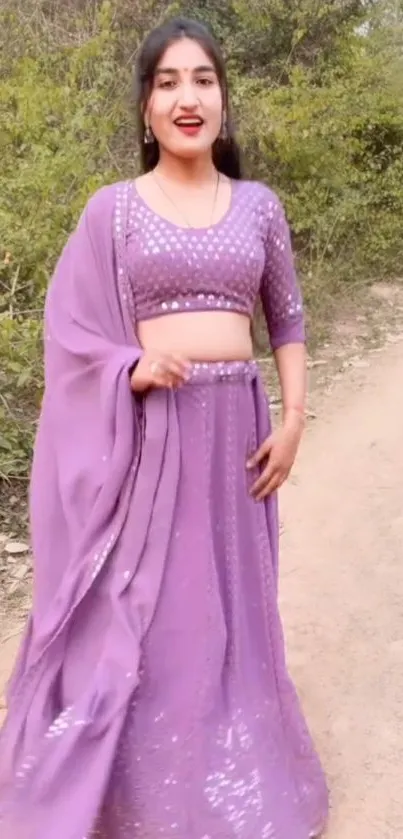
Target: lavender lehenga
{"x": 151, "y": 696}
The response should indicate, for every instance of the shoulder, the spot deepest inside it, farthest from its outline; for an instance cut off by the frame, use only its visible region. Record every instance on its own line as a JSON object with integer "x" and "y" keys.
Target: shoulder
{"x": 264, "y": 202}
{"x": 98, "y": 213}
{"x": 105, "y": 198}
{"x": 266, "y": 206}
{"x": 265, "y": 198}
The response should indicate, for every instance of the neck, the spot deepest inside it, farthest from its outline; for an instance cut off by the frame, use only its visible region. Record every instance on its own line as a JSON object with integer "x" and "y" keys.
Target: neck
{"x": 198, "y": 170}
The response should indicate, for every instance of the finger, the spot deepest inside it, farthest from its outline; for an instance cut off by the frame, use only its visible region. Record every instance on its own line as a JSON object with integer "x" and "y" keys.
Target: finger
{"x": 182, "y": 363}
{"x": 172, "y": 370}
{"x": 270, "y": 487}
{"x": 264, "y": 478}
{"x": 174, "y": 381}
{"x": 273, "y": 485}
{"x": 260, "y": 454}
{"x": 268, "y": 480}
{"x": 178, "y": 369}
{"x": 167, "y": 380}
{"x": 166, "y": 373}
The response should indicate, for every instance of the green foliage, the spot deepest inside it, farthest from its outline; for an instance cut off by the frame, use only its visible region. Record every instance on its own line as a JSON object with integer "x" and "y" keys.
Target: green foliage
{"x": 334, "y": 152}
{"x": 59, "y": 121}
{"x": 20, "y": 391}
{"x": 317, "y": 93}
{"x": 60, "y": 115}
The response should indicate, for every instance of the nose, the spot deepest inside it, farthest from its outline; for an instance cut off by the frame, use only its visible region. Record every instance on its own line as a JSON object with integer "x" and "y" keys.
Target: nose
{"x": 188, "y": 98}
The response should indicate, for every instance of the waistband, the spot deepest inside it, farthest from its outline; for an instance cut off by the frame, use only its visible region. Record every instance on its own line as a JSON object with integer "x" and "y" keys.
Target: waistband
{"x": 222, "y": 371}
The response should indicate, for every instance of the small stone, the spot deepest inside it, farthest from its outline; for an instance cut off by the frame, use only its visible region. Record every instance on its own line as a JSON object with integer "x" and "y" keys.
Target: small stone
{"x": 360, "y": 363}
{"x": 14, "y": 587}
{"x": 319, "y": 362}
{"x": 21, "y": 572}
{"x": 16, "y": 548}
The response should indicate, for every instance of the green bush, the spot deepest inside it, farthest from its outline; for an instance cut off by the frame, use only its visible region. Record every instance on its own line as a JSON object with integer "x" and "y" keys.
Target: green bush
{"x": 317, "y": 98}
{"x": 60, "y": 116}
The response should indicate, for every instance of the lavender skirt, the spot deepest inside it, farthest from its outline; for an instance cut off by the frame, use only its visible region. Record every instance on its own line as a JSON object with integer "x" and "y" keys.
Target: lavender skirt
{"x": 215, "y": 745}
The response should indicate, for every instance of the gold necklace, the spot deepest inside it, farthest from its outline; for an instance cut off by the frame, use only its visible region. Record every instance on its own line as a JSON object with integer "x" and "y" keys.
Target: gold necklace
{"x": 166, "y": 194}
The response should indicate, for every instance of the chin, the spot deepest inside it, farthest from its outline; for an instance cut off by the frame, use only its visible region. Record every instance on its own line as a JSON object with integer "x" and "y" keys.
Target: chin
{"x": 189, "y": 150}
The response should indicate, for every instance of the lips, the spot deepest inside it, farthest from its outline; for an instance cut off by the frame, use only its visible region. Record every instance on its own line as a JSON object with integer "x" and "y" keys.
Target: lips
{"x": 185, "y": 121}
{"x": 189, "y": 125}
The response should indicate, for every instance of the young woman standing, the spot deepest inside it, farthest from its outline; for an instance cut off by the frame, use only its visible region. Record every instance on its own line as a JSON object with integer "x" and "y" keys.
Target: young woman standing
{"x": 151, "y": 697}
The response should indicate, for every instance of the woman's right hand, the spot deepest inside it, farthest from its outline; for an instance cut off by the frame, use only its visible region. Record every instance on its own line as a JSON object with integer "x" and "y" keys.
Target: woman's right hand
{"x": 159, "y": 370}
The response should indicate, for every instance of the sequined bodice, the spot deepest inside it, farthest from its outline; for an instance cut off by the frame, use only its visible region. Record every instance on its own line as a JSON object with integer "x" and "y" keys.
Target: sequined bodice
{"x": 222, "y": 267}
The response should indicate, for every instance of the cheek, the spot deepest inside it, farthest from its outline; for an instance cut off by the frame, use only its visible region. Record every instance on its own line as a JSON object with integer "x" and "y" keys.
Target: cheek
{"x": 214, "y": 108}
{"x": 160, "y": 112}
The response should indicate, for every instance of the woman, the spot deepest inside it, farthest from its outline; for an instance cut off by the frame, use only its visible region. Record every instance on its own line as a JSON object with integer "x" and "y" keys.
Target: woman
{"x": 151, "y": 697}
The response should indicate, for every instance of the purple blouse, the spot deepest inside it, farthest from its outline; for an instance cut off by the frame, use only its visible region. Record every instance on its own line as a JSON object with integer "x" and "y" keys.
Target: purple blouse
{"x": 223, "y": 267}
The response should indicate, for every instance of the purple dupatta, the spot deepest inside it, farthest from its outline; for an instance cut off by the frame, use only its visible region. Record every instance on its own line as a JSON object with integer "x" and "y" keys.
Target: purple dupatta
{"x": 100, "y": 534}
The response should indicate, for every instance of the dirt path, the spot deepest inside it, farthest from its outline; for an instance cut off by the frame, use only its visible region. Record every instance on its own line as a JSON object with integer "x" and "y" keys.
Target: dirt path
{"x": 342, "y": 593}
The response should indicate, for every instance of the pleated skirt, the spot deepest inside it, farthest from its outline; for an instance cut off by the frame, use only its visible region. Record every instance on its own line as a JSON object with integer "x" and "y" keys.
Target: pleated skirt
{"x": 215, "y": 744}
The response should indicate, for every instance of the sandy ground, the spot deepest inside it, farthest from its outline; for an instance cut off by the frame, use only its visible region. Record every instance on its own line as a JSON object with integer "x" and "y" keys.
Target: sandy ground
{"x": 342, "y": 593}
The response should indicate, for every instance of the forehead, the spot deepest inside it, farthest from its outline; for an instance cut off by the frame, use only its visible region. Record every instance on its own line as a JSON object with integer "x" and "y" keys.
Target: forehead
{"x": 184, "y": 54}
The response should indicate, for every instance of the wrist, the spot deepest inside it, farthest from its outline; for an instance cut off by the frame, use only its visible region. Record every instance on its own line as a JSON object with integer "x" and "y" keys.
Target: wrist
{"x": 136, "y": 378}
{"x": 294, "y": 415}
{"x": 132, "y": 368}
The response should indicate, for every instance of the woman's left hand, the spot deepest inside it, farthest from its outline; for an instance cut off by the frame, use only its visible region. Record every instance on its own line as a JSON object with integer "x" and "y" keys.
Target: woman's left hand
{"x": 278, "y": 453}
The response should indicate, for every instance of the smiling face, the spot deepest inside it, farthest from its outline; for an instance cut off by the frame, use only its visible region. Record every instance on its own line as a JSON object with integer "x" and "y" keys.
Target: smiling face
{"x": 185, "y": 109}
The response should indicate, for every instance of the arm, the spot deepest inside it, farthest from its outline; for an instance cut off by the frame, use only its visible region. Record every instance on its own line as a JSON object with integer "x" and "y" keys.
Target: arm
{"x": 283, "y": 310}
{"x": 291, "y": 367}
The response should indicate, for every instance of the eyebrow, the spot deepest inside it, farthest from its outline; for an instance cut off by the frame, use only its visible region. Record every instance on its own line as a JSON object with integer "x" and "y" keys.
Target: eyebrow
{"x": 171, "y": 71}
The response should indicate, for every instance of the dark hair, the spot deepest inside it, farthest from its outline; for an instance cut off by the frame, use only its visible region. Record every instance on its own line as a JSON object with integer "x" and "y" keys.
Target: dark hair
{"x": 226, "y": 154}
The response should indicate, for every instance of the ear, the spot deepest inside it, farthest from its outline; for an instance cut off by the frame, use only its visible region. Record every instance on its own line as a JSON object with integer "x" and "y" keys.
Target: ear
{"x": 146, "y": 111}
{"x": 223, "y": 135}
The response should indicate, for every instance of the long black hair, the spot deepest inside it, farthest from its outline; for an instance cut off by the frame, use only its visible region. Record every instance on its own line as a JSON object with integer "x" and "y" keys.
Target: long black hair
{"x": 226, "y": 153}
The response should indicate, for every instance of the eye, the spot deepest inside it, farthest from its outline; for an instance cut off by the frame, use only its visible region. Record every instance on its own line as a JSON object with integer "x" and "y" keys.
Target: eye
{"x": 205, "y": 81}
{"x": 168, "y": 84}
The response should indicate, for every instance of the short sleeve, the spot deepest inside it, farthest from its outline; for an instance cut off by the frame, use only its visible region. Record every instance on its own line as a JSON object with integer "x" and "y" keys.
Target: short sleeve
{"x": 279, "y": 288}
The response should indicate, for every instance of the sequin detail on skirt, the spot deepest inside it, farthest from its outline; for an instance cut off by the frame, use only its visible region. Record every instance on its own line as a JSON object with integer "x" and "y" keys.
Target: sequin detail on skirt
{"x": 215, "y": 745}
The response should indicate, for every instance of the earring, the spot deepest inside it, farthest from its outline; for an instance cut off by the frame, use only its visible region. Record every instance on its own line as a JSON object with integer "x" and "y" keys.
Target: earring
{"x": 223, "y": 135}
{"x": 148, "y": 135}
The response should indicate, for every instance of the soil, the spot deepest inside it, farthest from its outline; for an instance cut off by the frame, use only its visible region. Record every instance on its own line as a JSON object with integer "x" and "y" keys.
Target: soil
{"x": 341, "y": 592}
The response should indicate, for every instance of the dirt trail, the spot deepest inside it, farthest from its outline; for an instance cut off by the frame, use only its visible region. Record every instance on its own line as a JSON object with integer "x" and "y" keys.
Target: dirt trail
{"x": 342, "y": 593}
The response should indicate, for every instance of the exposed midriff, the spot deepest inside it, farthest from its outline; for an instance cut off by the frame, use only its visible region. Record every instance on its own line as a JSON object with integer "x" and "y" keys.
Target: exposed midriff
{"x": 199, "y": 336}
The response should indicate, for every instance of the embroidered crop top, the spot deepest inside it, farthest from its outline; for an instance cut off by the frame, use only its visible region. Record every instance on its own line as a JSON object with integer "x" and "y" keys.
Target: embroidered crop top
{"x": 223, "y": 267}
